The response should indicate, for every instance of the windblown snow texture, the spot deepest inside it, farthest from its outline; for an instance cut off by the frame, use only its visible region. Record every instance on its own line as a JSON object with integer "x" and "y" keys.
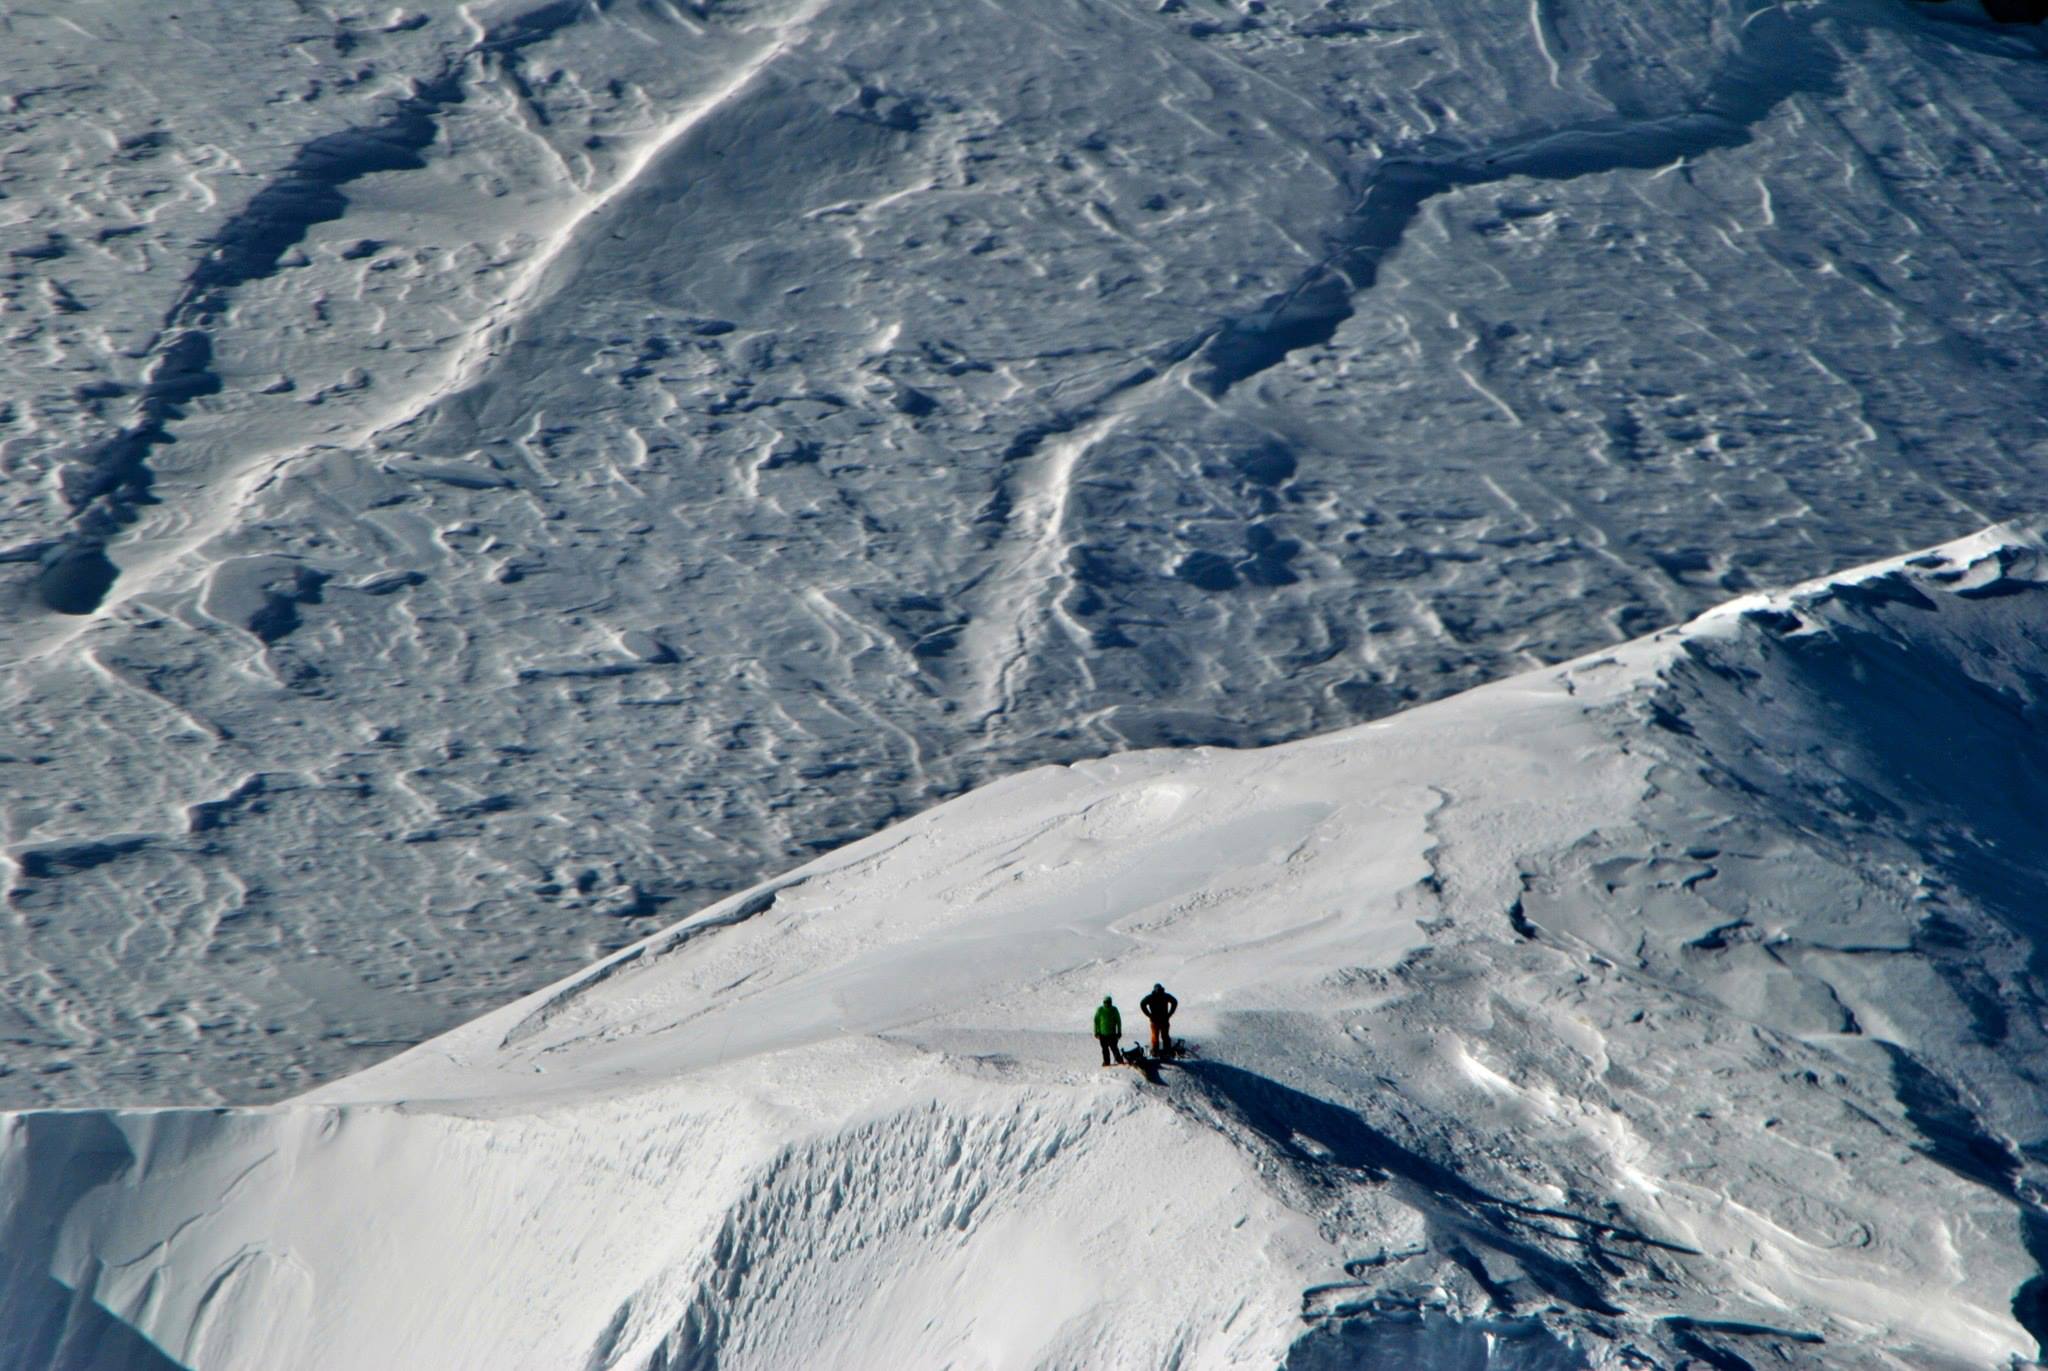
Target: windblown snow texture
{"x": 480, "y": 480}
{"x": 1676, "y": 1006}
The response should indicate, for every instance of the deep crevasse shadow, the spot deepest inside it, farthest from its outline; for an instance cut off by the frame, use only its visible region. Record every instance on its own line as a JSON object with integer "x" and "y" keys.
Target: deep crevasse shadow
{"x": 46, "y": 1325}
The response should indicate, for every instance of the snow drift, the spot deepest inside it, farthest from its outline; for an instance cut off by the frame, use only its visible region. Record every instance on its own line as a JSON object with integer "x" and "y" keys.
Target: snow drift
{"x": 1678, "y": 1002}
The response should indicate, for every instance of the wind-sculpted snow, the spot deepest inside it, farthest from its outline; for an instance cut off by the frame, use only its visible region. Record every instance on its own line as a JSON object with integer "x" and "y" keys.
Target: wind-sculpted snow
{"x": 1674, "y": 1006}
{"x": 104, "y": 483}
{"x": 529, "y": 469}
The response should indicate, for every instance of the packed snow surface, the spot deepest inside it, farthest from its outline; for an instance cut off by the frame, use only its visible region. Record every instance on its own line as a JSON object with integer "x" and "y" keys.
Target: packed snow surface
{"x": 1674, "y": 1006}
{"x": 478, "y": 480}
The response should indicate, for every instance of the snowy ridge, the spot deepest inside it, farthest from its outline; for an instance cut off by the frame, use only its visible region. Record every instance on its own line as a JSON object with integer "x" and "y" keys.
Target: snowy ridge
{"x": 1678, "y": 1002}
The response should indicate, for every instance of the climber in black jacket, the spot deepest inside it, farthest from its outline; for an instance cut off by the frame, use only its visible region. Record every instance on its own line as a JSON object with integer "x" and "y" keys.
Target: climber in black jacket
{"x": 1159, "y": 1007}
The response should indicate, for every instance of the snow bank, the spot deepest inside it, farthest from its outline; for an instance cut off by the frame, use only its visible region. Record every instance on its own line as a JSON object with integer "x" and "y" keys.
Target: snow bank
{"x": 1672, "y": 1003}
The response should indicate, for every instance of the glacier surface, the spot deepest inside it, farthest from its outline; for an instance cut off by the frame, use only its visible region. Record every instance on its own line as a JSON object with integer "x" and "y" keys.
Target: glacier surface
{"x": 478, "y": 480}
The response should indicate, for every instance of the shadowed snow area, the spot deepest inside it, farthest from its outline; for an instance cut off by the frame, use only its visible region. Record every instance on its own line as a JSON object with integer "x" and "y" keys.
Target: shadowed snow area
{"x": 1674, "y": 1006}
{"x": 477, "y": 480}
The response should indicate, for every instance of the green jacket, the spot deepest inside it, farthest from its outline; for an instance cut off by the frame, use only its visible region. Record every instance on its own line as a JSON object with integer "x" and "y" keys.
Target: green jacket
{"x": 1108, "y": 1023}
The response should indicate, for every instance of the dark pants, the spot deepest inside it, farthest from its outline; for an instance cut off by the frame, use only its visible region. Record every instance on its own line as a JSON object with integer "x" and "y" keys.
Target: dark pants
{"x": 1110, "y": 1055}
{"x": 1160, "y": 1037}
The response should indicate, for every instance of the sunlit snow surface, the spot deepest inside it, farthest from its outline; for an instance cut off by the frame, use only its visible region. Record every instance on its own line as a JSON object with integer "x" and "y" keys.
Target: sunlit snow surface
{"x": 1670, "y": 1007}
{"x": 481, "y": 479}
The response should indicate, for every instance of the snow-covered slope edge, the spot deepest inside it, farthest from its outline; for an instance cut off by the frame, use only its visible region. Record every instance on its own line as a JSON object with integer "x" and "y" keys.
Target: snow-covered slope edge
{"x": 1673, "y": 1003}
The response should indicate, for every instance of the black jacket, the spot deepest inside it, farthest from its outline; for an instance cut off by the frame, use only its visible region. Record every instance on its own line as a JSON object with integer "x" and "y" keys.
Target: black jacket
{"x": 1159, "y": 1005}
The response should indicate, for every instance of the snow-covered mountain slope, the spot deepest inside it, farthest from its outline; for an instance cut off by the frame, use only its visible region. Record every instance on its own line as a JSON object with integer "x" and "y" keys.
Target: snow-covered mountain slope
{"x": 480, "y": 478}
{"x": 1676, "y": 1006}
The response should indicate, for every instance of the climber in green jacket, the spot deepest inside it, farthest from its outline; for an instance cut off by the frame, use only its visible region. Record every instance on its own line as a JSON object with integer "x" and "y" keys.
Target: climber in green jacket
{"x": 1109, "y": 1026}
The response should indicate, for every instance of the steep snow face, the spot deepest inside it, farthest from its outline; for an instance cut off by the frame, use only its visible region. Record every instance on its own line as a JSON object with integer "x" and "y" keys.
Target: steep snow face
{"x": 1675, "y": 1004}
{"x": 483, "y": 478}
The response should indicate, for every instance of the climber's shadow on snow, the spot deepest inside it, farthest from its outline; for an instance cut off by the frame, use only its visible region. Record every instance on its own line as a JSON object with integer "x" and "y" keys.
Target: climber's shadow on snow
{"x": 1312, "y": 1131}
{"x": 1463, "y": 1218}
